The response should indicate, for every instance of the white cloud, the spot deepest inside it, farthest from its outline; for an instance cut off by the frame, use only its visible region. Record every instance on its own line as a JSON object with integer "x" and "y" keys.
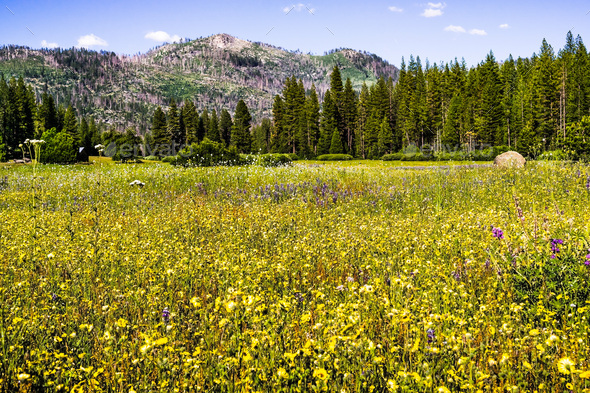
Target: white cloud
{"x": 477, "y": 32}
{"x": 455, "y": 29}
{"x": 395, "y": 9}
{"x": 86, "y": 41}
{"x": 298, "y": 7}
{"x": 50, "y": 45}
{"x": 434, "y": 9}
{"x": 504, "y": 26}
{"x": 162, "y": 36}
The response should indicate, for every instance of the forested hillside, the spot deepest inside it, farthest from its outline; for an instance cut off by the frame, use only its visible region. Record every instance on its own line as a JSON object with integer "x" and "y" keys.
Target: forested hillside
{"x": 213, "y": 72}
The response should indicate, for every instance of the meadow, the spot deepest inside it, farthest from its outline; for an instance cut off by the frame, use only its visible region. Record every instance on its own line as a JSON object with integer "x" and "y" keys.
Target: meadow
{"x": 312, "y": 277}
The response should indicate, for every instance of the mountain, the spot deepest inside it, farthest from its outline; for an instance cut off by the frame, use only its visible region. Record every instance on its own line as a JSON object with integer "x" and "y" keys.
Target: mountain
{"x": 215, "y": 72}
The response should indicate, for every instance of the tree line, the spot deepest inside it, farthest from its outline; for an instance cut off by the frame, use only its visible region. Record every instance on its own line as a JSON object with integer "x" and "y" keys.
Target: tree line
{"x": 529, "y": 104}
{"x": 22, "y": 118}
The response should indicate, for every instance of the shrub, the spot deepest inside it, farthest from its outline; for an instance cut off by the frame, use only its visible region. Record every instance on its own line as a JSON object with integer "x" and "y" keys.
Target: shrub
{"x": 274, "y": 160}
{"x": 152, "y": 158}
{"x": 293, "y": 156}
{"x": 208, "y": 153}
{"x": 170, "y": 159}
{"x": 413, "y": 157}
{"x": 58, "y": 148}
{"x": 554, "y": 155}
{"x": 334, "y": 157}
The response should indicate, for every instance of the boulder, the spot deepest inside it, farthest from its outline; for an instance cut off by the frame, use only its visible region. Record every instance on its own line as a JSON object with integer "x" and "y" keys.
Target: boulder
{"x": 510, "y": 159}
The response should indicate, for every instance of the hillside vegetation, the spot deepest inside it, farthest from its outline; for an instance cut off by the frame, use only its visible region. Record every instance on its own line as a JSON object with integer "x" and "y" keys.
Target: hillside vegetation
{"x": 214, "y": 72}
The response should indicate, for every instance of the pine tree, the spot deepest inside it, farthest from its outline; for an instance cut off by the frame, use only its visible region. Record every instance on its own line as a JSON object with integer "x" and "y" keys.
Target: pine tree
{"x": 337, "y": 95}
{"x": 240, "y": 136}
{"x": 434, "y": 118}
{"x": 361, "y": 126}
{"x": 261, "y": 136}
{"x": 174, "y": 131}
{"x": 225, "y": 126}
{"x": 312, "y": 117}
{"x": 508, "y": 80}
{"x": 385, "y": 137}
{"x": 191, "y": 121}
{"x": 94, "y": 136}
{"x": 70, "y": 125}
{"x": 327, "y": 125}
{"x": 488, "y": 118}
{"x": 277, "y": 138}
{"x": 47, "y": 113}
{"x": 545, "y": 95}
{"x": 213, "y": 129}
{"x": 85, "y": 137}
{"x": 61, "y": 114}
{"x": 160, "y": 133}
{"x": 452, "y": 133}
{"x": 27, "y": 109}
{"x": 203, "y": 126}
{"x": 336, "y": 143}
{"x": 349, "y": 114}
{"x": 301, "y": 138}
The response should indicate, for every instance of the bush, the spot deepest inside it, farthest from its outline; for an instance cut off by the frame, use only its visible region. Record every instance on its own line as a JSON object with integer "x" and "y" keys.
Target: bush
{"x": 335, "y": 157}
{"x": 170, "y": 159}
{"x": 293, "y": 157}
{"x": 152, "y": 158}
{"x": 555, "y": 155}
{"x": 58, "y": 148}
{"x": 413, "y": 157}
{"x": 208, "y": 153}
{"x": 274, "y": 160}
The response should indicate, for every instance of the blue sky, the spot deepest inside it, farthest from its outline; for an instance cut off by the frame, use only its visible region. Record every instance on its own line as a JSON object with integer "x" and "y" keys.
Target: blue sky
{"x": 439, "y": 31}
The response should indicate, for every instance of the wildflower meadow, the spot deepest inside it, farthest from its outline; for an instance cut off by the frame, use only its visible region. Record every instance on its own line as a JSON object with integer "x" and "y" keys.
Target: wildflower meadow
{"x": 310, "y": 277}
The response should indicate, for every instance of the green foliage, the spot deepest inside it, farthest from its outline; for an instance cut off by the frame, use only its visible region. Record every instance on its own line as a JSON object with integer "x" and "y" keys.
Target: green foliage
{"x": 549, "y": 278}
{"x": 160, "y": 133}
{"x": 58, "y": 148}
{"x": 553, "y": 155}
{"x": 335, "y": 157}
{"x": 151, "y": 158}
{"x": 336, "y": 143}
{"x": 241, "y": 138}
{"x": 414, "y": 157}
{"x": 274, "y": 160}
{"x": 208, "y": 153}
{"x": 170, "y": 160}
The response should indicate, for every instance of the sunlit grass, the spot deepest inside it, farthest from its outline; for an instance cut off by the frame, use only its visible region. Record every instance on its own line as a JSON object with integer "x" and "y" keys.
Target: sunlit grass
{"x": 303, "y": 278}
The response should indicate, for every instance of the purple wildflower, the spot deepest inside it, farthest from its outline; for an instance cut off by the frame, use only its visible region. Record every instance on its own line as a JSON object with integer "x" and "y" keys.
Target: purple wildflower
{"x": 554, "y": 247}
{"x": 587, "y": 261}
{"x": 431, "y": 336}
{"x": 498, "y": 233}
{"x": 166, "y": 315}
{"x": 298, "y": 297}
